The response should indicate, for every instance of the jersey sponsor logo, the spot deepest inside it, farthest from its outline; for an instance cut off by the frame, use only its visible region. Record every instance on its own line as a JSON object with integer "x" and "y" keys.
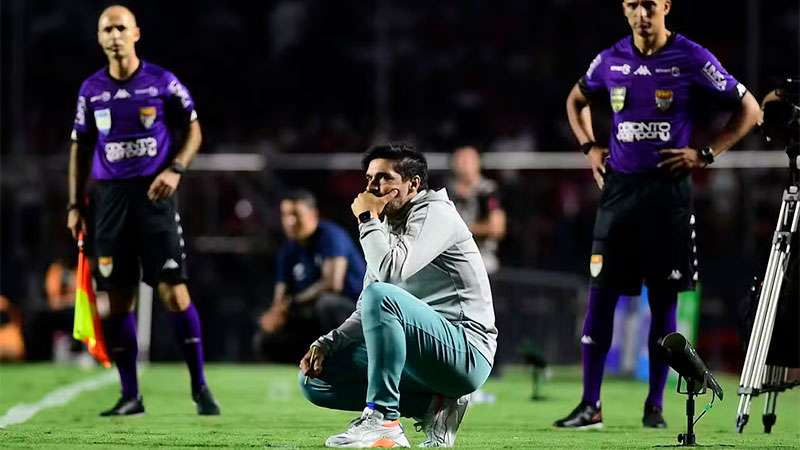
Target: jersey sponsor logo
{"x": 80, "y": 112}
{"x": 643, "y": 131}
{"x": 663, "y": 99}
{"x": 105, "y": 264}
{"x": 642, "y": 70}
{"x": 152, "y": 91}
{"x": 715, "y": 76}
{"x": 102, "y": 118}
{"x": 617, "y": 95}
{"x": 147, "y": 115}
{"x": 625, "y": 69}
{"x": 740, "y": 90}
{"x": 103, "y": 96}
{"x": 177, "y": 89}
{"x": 596, "y": 265}
{"x": 595, "y": 62}
{"x": 675, "y": 71}
{"x": 121, "y": 93}
{"x": 117, "y": 151}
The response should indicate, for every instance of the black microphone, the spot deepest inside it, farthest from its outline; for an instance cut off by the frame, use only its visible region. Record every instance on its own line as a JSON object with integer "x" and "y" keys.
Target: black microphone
{"x": 682, "y": 357}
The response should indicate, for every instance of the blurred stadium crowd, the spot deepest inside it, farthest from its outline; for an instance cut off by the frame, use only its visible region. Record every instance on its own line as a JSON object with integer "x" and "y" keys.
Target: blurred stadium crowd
{"x": 310, "y": 76}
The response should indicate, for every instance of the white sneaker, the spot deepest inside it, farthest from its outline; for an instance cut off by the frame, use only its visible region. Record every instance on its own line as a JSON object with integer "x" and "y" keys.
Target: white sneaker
{"x": 370, "y": 431}
{"x": 442, "y": 419}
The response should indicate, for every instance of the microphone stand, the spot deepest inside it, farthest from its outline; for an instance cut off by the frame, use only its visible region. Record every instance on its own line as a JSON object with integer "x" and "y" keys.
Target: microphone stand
{"x": 688, "y": 439}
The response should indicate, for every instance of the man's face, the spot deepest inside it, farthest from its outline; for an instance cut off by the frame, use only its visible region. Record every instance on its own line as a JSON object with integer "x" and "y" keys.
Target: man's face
{"x": 383, "y": 179}
{"x": 299, "y": 220}
{"x": 117, "y": 33}
{"x": 466, "y": 163}
{"x": 646, "y": 17}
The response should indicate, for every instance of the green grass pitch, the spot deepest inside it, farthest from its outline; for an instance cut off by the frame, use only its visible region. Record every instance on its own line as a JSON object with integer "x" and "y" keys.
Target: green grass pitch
{"x": 262, "y": 407}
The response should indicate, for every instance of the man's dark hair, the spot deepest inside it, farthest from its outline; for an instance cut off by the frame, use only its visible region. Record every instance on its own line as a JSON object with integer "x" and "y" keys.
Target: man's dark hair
{"x": 301, "y": 195}
{"x": 408, "y": 161}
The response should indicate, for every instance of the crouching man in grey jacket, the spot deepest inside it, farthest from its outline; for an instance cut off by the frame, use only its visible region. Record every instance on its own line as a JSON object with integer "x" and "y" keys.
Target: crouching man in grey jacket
{"x": 422, "y": 337}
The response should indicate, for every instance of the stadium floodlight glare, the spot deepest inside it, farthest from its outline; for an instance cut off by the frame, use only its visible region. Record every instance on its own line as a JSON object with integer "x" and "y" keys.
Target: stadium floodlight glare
{"x": 682, "y": 357}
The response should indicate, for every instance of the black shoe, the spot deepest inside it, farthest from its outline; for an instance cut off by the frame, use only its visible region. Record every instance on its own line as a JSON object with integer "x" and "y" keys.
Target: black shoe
{"x": 585, "y": 416}
{"x": 206, "y": 405}
{"x": 653, "y": 418}
{"x": 125, "y": 407}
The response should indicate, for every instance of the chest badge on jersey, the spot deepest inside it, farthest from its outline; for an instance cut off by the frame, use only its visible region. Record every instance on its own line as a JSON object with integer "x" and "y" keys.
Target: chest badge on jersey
{"x": 147, "y": 115}
{"x": 102, "y": 118}
{"x": 618, "y": 98}
{"x": 663, "y": 99}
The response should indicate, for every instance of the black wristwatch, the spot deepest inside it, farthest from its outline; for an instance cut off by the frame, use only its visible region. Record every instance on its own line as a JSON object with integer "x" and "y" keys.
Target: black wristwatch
{"x": 177, "y": 167}
{"x": 364, "y": 217}
{"x": 706, "y": 154}
{"x": 587, "y": 147}
{"x": 71, "y": 206}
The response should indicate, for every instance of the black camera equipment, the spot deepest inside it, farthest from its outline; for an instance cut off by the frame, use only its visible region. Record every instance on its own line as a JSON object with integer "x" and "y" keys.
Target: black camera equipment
{"x": 760, "y": 374}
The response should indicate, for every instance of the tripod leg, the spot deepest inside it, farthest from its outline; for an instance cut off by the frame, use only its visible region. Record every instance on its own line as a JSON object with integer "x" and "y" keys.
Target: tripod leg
{"x": 769, "y": 417}
{"x": 761, "y": 335}
{"x": 743, "y": 412}
{"x": 778, "y": 377}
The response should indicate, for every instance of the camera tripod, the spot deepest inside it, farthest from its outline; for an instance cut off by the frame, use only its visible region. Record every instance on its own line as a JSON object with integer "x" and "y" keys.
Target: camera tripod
{"x": 758, "y": 377}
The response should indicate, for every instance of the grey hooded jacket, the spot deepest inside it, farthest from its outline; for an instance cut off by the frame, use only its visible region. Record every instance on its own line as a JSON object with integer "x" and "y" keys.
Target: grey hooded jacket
{"x": 431, "y": 254}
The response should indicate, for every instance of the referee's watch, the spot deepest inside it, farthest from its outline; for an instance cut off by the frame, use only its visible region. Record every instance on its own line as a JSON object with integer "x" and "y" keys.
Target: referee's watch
{"x": 706, "y": 154}
{"x": 587, "y": 147}
{"x": 177, "y": 167}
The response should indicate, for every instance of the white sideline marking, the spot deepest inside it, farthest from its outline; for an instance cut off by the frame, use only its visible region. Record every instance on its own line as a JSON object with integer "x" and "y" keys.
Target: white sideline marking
{"x": 24, "y": 411}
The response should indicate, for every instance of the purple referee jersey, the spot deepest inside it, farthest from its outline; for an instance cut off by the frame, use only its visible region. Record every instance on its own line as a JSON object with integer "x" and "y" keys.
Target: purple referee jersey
{"x": 128, "y": 121}
{"x": 650, "y": 96}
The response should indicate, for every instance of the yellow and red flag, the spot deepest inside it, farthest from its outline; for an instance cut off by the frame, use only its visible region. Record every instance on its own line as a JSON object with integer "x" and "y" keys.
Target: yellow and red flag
{"x": 86, "y": 326}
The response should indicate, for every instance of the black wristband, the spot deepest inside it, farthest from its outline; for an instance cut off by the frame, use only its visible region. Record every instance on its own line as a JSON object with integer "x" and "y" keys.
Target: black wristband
{"x": 706, "y": 154}
{"x": 178, "y": 168}
{"x": 586, "y": 147}
{"x": 364, "y": 217}
{"x": 71, "y": 206}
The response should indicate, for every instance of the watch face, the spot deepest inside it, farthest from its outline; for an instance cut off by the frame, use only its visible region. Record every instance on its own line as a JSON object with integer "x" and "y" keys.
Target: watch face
{"x": 364, "y": 217}
{"x": 707, "y": 154}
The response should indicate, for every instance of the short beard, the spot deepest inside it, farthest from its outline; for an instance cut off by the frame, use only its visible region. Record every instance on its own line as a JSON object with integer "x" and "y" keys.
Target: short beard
{"x": 396, "y": 213}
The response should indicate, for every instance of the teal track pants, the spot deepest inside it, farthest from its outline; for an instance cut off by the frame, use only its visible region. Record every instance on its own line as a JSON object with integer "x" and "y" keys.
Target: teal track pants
{"x": 410, "y": 353}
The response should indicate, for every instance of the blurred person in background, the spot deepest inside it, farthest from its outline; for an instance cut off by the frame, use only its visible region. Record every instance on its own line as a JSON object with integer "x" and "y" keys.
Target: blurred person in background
{"x": 126, "y": 114}
{"x": 644, "y": 224}
{"x": 319, "y": 273}
{"x": 422, "y": 338}
{"x": 477, "y": 200}
{"x": 48, "y": 332}
{"x": 12, "y": 347}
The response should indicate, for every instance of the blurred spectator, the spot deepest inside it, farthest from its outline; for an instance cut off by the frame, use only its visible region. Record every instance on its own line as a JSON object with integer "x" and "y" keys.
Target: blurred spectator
{"x": 319, "y": 276}
{"x": 11, "y": 345}
{"x": 48, "y": 332}
{"x": 477, "y": 200}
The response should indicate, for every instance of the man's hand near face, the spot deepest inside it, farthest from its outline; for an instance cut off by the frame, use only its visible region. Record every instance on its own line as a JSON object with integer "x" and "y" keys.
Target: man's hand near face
{"x": 367, "y": 201}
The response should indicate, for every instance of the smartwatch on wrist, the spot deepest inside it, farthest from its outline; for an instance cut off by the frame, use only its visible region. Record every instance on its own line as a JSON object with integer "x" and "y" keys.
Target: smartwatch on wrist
{"x": 71, "y": 206}
{"x": 586, "y": 147}
{"x": 364, "y": 217}
{"x": 177, "y": 167}
{"x": 706, "y": 154}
